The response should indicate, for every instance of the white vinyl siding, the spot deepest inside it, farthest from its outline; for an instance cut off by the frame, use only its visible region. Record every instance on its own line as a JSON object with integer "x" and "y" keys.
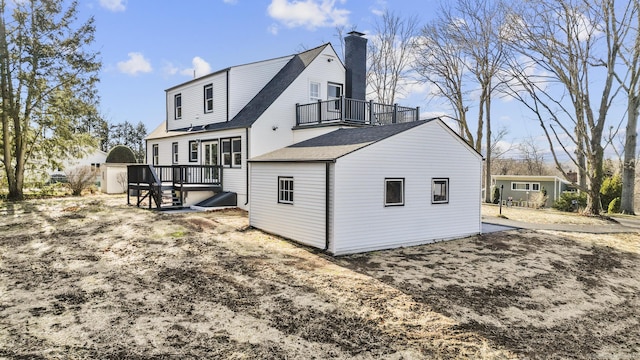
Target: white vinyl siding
{"x": 246, "y": 81}
{"x": 192, "y": 99}
{"x": 302, "y": 221}
{"x": 362, "y": 223}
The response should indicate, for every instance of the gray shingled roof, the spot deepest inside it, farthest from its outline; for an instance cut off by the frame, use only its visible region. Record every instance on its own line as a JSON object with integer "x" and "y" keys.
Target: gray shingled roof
{"x": 270, "y": 92}
{"x": 333, "y": 145}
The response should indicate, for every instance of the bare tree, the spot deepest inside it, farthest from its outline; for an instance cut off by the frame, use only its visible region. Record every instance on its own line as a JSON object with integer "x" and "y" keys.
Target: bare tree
{"x": 389, "y": 56}
{"x": 80, "y": 178}
{"x": 464, "y": 46}
{"x": 559, "y": 39}
{"x": 440, "y": 63}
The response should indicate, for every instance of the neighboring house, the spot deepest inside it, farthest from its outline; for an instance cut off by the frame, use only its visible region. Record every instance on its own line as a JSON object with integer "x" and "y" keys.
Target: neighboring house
{"x": 355, "y": 190}
{"x": 93, "y": 158}
{"x": 520, "y": 188}
{"x": 216, "y": 122}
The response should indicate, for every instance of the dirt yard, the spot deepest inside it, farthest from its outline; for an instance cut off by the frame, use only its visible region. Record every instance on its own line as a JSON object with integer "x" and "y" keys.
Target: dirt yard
{"x": 92, "y": 278}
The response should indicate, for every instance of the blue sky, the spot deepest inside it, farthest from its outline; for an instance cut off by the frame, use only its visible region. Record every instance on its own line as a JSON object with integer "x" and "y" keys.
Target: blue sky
{"x": 148, "y": 46}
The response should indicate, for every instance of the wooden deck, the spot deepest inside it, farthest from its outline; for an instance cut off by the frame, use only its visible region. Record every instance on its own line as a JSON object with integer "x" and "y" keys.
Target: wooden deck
{"x": 164, "y": 186}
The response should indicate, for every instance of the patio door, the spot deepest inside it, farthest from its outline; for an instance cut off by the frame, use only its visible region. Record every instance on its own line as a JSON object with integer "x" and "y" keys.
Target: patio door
{"x": 210, "y": 157}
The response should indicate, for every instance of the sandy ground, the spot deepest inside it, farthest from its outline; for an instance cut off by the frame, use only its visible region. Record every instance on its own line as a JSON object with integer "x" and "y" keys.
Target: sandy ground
{"x": 92, "y": 278}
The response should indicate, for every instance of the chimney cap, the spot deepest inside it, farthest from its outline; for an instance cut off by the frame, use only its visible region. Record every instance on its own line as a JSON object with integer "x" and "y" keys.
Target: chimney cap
{"x": 355, "y": 33}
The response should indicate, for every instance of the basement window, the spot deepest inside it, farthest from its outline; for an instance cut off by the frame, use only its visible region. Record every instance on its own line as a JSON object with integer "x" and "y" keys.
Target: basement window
{"x": 285, "y": 190}
{"x": 394, "y": 192}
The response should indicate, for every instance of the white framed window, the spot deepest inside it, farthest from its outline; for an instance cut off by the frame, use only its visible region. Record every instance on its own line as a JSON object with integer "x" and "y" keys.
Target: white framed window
{"x": 208, "y": 98}
{"x": 440, "y": 191}
{"x": 193, "y": 151}
{"x": 394, "y": 192}
{"x": 174, "y": 152}
{"x": 154, "y": 154}
{"x": 285, "y": 190}
{"x": 232, "y": 152}
{"x": 177, "y": 106}
{"x": 524, "y": 186}
{"x": 314, "y": 91}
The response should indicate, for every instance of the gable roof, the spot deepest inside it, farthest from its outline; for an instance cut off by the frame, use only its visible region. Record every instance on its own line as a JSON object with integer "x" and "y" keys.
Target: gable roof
{"x": 338, "y": 143}
{"x": 271, "y": 91}
{"x": 530, "y": 178}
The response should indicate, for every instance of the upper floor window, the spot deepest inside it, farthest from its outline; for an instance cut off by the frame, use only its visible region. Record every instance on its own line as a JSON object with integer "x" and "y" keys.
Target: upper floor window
{"x": 154, "y": 154}
{"x": 208, "y": 98}
{"x": 439, "y": 191}
{"x": 193, "y": 151}
{"x": 174, "y": 152}
{"x": 232, "y": 152}
{"x": 177, "y": 104}
{"x": 314, "y": 91}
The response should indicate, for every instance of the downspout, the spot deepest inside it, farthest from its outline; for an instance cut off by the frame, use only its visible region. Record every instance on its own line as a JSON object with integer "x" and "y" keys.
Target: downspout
{"x": 327, "y": 206}
{"x": 246, "y": 145}
{"x": 228, "y": 96}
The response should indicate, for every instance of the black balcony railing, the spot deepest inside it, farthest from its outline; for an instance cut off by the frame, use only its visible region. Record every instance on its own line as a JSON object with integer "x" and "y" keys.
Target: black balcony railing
{"x": 352, "y": 111}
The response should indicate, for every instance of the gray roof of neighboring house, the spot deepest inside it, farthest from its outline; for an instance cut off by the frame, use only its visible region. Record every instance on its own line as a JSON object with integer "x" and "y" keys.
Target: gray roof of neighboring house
{"x": 330, "y": 146}
{"x": 270, "y": 92}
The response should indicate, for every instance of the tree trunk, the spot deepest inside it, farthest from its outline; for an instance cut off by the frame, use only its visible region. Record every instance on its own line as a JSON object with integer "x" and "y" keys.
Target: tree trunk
{"x": 594, "y": 179}
{"x": 629, "y": 165}
{"x": 487, "y": 175}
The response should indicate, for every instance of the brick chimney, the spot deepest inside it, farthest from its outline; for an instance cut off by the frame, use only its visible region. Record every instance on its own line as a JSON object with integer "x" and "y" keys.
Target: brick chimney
{"x": 355, "y": 48}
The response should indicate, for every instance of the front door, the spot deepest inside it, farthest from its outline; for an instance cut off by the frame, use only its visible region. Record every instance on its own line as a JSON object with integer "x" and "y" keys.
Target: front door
{"x": 210, "y": 157}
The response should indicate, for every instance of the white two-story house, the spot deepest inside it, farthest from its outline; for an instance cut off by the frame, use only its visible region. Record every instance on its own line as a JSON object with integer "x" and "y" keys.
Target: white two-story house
{"x": 295, "y": 141}
{"x": 224, "y": 118}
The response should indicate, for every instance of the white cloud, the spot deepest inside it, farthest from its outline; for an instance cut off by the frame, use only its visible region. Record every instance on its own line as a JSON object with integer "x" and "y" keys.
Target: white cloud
{"x": 114, "y": 5}
{"x": 200, "y": 67}
{"x": 231, "y": 2}
{"x": 311, "y": 14}
{"x": 136, "y": 64}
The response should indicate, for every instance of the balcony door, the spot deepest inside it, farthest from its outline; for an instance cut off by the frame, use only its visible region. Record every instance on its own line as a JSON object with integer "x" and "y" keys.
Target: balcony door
{"x": 210, "y": 157}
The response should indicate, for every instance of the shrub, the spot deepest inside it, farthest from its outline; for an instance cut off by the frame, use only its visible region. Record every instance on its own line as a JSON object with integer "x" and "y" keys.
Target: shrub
{"x": 80, "y": 178}
{"x": 614, "y": 206}
{"x": 121, "y": 154}
{"x": 565, "y": 202}
{"x": 538, "y": 199}
{"x": 496, "y": 195}
{"x": 611, "y": 188}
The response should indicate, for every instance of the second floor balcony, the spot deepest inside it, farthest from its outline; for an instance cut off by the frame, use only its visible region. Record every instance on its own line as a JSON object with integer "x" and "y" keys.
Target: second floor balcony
{"x": 353, "y": 112}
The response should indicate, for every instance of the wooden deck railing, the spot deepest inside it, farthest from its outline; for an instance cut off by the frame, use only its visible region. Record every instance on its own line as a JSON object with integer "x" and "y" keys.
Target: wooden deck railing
{"x": 352, "y": 111}
{"x": 190, "y": 174}
{"x": 149, "y": 181}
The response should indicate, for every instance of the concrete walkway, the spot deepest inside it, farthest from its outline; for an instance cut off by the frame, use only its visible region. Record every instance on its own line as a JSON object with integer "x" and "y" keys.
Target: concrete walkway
{"x": 624, "y": 225}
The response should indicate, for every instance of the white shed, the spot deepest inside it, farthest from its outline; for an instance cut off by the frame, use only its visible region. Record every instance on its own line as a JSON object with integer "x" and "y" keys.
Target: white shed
{"x": 370, "y": 188}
